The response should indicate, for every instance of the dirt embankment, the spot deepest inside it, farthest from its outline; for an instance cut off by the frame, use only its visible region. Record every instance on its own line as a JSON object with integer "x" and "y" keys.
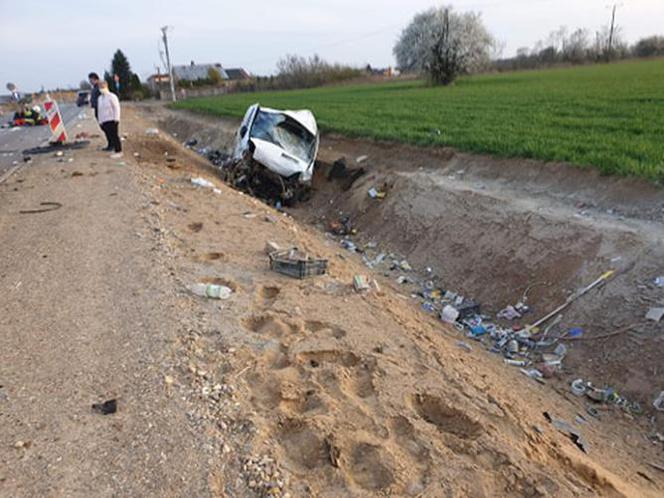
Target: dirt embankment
{"x": 286, "y": 388}
{"x": 499, "y": 230}
{"x": 364, "y": 395}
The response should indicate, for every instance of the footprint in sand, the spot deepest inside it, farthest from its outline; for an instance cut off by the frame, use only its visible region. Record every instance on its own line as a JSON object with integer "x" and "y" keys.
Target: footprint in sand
{"x": 317, "y": 327}
{"x": 446, "y": 418}
{"x": 211, "y": 256}
{"x": 269, "y": 325}
{"x": 267, "y": 295}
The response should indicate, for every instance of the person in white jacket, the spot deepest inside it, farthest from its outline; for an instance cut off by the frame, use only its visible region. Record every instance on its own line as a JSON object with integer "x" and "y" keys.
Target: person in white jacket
{"x": 108, "y": 114}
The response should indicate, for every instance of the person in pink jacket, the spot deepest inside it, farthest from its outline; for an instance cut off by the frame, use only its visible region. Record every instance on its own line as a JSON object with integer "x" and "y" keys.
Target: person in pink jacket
{"x": 108, "y": 115}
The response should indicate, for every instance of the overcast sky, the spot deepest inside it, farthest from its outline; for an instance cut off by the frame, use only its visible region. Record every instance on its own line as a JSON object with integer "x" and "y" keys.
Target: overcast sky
{"x": 56, "y": 43}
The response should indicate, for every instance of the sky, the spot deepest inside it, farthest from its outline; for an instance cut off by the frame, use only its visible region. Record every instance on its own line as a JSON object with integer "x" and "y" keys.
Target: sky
{"x": 57, "y": 43}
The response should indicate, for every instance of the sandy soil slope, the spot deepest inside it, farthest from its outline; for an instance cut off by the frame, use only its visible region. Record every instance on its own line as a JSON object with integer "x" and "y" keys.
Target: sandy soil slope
{"x": 288, "y": 388}
{"x": 501, "y": 229}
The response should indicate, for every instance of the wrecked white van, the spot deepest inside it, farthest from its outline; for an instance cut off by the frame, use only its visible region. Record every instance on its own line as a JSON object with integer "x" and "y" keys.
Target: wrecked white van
{"x": 275, "y": 152}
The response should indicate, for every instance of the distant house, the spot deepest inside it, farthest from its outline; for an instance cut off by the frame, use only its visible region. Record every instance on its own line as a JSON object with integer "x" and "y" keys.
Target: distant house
{"x": 237, "y": 74}
{"x": 388, "y": 72}
{"x": 194, "y": 72}
{"x": 156, "y": 81}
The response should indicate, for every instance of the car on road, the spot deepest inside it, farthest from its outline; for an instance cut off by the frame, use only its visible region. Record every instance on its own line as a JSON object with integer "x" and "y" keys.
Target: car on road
{"x": 275, "y": 153}
{"x": 83, "y": 99}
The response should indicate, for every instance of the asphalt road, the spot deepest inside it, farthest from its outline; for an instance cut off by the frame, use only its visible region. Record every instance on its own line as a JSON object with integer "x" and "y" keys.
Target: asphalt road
{"x": 14, "y": 140}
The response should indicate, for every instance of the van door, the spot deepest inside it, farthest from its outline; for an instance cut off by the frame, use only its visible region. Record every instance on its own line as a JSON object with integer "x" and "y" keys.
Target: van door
{"x": 244, "y": 132}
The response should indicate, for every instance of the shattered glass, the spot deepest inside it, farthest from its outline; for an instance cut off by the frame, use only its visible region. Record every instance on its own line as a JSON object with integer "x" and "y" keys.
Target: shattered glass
{"x": 286, "y": 133}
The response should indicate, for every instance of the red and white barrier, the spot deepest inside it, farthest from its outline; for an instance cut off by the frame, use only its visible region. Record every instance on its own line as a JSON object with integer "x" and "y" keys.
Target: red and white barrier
{"x": 58, "y": 132}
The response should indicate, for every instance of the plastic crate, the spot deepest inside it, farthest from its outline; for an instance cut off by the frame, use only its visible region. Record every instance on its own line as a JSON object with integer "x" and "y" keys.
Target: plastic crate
{"x": 297, "y": 265}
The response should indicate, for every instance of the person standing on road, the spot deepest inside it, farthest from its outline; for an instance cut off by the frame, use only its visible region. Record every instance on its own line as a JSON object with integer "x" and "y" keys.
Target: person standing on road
{"x": 108, "y": 108}
{"x": 93, "y": 78}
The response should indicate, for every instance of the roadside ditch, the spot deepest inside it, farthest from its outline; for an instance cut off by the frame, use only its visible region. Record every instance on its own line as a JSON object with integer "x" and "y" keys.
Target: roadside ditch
{"x": 499, "y": 233}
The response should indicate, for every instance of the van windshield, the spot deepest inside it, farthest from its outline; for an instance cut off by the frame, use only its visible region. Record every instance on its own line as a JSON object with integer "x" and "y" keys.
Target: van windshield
{"x": 285, "y": 132}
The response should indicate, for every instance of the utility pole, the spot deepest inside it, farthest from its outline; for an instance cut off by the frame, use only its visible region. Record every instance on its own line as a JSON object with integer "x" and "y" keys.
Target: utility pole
{"x": 168, "y": 61}
{"x": 612, "y": 30}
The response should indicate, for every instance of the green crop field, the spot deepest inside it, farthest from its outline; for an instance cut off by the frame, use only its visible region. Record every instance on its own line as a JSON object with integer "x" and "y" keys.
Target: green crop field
{"x": 610, "y": 116}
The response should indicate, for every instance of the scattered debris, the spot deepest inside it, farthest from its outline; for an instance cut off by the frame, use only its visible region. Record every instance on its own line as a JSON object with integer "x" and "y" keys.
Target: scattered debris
{"x": 202, "y": 182}
{"x": 404, "y": 266}
{"x": 603, "y": 336}
{"x": 578, "y": 387}
{"x": 573, "y": 298}
{"x": 342, "y": 226}
{"x": 659, "y": 402}
{"x": 152, "y": 132}
{"x": 338, "y": 169}
{"x": 659, "y": 281}
{"x": 509, "y": 313}
{"x": 655, "y": 314}
{"x": 271, "y": 247}
{"x": 538, "y": 353}
{"x": 361, "y": 159}
{"x": 449, "y": 314}
{"x": 575, "y": 332}
{"x": 48, "y": 206}
{"x": 428, "y": 307}
{"x": 514, "y": 312}
{"x": 296, "y": 264}
{"x": 360, "y": 283}
{"x": 216, "y": 157}
{"x": 467, "y": 308}
{"x": 376, "y": 194}
{"x": 108, "y": 407}
{"x": 533, "y": 373}
{"x": 349, "y": 244}
{"x": 608, "y": 395}
{"x": 567, "y": 429}
{"x": 465, "y": 346}
{"x": 58, "y": 146}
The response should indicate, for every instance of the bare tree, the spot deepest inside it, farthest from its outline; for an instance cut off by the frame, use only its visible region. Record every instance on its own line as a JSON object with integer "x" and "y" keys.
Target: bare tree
{"x": 557, "y": 39}
{"x": 577, "y": 46}
{"x": 522, "y": 52}
{"x": 443, "y": 44}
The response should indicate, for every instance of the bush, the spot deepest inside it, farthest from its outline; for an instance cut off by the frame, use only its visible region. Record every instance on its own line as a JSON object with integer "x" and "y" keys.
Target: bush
{"x": 299, "y": 72}
{"x": 649, "y": 47}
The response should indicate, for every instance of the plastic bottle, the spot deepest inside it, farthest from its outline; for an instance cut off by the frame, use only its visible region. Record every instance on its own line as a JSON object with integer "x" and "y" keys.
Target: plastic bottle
{"x": 211, "y": 291}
